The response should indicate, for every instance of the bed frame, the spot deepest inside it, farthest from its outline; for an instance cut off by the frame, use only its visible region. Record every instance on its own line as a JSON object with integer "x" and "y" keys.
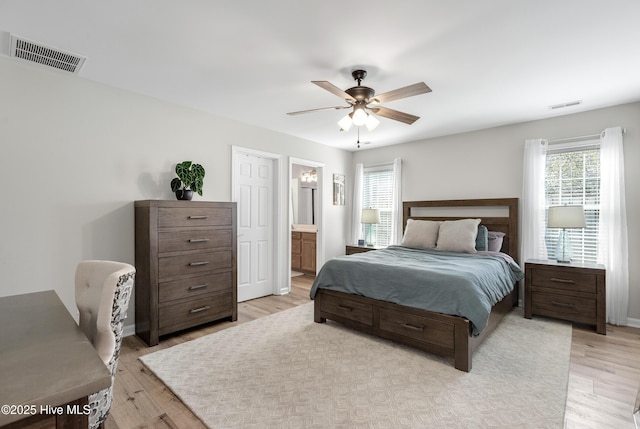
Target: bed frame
{"x": 437, "y": 333}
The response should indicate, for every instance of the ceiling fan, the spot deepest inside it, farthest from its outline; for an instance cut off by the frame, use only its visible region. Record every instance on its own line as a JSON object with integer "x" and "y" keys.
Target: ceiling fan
{"x": 366, "y": 103}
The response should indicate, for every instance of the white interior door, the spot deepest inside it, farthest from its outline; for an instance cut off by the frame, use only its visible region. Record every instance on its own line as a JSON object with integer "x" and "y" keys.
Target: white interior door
{"x": 254, "y": 192}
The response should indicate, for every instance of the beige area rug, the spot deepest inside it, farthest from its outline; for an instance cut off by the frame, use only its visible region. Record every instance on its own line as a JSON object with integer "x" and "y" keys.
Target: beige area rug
{"x": 285, "y": 371}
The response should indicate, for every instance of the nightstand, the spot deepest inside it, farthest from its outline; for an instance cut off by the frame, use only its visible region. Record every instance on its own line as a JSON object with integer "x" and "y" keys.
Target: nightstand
{"x": 355, "y": 248}
{"x": 569, "y": 291}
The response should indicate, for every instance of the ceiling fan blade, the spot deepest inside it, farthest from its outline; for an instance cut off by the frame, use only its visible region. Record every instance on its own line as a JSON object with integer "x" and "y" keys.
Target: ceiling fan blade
{"x": 300, "y": 112}
{"x": 394, "y": 114}
{"x": 407, "y": 91}
{"x": 334, "y": 90}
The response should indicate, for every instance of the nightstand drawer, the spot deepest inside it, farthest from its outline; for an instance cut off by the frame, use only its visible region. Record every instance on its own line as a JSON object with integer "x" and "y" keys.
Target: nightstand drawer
{"x": 581, "y": 310}
{"x": 564, "y": 279}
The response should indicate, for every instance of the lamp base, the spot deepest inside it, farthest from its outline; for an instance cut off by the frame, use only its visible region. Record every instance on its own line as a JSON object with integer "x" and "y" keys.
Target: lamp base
{"x": 370, "y": 238}
{"x": 564, "y": 252}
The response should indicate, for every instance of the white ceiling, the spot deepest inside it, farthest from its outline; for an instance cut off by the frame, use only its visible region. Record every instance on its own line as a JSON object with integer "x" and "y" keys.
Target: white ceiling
{"x": 488, "y": 62}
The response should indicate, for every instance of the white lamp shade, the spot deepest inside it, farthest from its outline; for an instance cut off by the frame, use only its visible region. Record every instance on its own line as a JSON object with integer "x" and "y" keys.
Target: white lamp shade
{"x": 359, "y": 116}
{"x": 370, "y": 216}
{"x": 345, "y": 123}
{"x": 371, "y": 122}
{"x": 566, "y": 217}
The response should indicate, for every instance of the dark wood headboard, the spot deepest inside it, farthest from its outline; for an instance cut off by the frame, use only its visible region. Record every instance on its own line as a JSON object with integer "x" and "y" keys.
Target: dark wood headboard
{"x": 507, "y": 224}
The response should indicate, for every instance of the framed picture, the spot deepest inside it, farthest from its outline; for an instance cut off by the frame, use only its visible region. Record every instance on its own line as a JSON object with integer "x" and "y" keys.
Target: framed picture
{"x": 338, "y": 189}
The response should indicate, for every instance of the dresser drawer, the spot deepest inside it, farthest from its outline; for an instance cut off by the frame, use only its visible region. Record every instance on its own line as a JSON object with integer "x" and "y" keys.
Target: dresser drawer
{"x": 195, "y": 239}
{"x": 564, "y": 279}
{"x": 172, "y": 266}
{"x": 194, "y": 216}
{"x": 578, "y": 309}
{"x": 417, "y": 327}
{"x": 348, "y": 309}
{"x": 194, "y": 312}
{"x": 195, "y": 286}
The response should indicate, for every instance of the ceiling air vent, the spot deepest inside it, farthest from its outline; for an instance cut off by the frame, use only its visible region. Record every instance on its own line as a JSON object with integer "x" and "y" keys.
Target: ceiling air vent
{"x": 51, "y": 57}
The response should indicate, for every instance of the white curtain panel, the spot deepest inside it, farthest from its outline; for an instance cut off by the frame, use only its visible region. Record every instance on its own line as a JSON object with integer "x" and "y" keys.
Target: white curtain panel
{"x": 613, "y": 249}
{"x": 396, "y": 213}
{"x": 356, "y": 230}
{"x": 533, "y": 203}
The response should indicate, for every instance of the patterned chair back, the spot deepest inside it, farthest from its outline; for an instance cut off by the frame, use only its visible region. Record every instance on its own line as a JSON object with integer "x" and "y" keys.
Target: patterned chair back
{"x": 103, "y": 290}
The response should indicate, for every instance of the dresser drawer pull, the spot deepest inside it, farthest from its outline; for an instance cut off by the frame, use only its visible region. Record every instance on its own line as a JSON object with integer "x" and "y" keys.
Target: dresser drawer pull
{"x": 555, "y": 279}
{"x": 199, "y": 309}
{"x": 197, "y": 217}
{"x": 344, "y": 307}
{"x": 413, "y": 327}
{"x": 195, "y": 264}
{"x": 196, "y": 287}
{"x": 562, "y": 304}
{"x": 198, "y": 240}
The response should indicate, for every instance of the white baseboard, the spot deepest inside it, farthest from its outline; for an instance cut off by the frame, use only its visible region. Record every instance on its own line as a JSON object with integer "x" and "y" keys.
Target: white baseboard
{"x": 128, "y": 330}
{"x": 634, "y": 323}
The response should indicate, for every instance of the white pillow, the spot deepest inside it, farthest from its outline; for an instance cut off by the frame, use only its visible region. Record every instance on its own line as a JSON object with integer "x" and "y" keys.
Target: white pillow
{"x": 458, "y": 235}
{"x": 421, "y": 233}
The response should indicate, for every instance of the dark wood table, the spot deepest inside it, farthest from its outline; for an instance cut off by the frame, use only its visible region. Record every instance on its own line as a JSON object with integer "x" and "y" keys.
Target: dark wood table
{"x": 48, "y": 368}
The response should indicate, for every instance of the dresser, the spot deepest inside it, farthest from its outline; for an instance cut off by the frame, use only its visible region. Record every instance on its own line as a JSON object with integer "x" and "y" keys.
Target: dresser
{"x": 186, "y": 272}
{"x": 575, "y": 292}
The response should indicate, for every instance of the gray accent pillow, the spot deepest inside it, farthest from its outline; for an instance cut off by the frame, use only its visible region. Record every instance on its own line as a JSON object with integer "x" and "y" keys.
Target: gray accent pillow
{"x": 482, "y": 239}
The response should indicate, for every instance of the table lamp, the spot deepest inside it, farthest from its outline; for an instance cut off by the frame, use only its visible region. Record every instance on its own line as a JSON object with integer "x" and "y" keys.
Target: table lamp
{"x": 565, "y": 217}
{"x": 369, "y": 218}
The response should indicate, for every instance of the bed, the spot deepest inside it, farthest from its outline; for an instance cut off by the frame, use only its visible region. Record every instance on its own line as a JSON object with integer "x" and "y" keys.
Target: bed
{"x": 447, "y": 334}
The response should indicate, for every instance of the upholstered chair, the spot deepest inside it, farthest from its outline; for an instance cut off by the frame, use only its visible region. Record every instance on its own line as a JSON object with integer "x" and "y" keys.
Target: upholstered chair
{"x": 103, "y": 289}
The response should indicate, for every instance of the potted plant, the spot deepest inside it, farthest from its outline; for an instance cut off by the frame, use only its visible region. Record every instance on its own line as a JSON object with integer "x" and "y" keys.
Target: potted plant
{"x": 190, "y": 179}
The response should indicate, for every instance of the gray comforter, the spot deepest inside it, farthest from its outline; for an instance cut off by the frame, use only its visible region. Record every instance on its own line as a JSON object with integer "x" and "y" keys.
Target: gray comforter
{"x": 459, "y": 284}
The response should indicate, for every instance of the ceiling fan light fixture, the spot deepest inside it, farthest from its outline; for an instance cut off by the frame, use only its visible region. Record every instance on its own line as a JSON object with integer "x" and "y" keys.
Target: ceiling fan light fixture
{"x": 345, "y": 123}
{"x": 359, "y": 116}
{"x": 371, "y": 122}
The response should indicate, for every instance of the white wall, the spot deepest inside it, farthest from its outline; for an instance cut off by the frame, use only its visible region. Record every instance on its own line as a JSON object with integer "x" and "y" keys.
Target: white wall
{"x": 488, "y": 163}
{"x": 76, "y": 154}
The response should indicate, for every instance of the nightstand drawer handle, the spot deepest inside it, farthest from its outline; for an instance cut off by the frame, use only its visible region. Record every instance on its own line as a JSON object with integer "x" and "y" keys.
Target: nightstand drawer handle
{"x": 555, "y": 279}
{"x": 196, "y": 287}
{"x": 562, "y": 304}
{"x": 198, "y": 310}
{"x": 198, "y": 240}
{"x": 344, "y": 307}
{"x": 195, "y": 264}
{"x": 413, "y": 327}
{"x": 197, "y": 217}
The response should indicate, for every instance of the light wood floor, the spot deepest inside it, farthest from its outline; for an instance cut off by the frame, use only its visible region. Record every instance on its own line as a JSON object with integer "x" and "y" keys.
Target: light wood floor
{"x": 603, "y": 381}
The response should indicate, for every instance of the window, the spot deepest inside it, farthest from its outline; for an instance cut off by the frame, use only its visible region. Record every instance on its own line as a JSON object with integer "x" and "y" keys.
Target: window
{"x": 572, "y": 177}
{"x": 377, "y": 193}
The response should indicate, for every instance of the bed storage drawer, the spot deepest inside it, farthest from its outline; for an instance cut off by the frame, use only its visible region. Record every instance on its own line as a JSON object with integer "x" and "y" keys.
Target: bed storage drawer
{"x": 348, "y": 309}
{"x": 417, "y": 327}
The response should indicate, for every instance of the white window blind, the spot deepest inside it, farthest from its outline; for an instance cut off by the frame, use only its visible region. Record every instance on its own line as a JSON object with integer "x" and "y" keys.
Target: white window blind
{"x": 573, "y": 177}
{"x": 377, "y": 193}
